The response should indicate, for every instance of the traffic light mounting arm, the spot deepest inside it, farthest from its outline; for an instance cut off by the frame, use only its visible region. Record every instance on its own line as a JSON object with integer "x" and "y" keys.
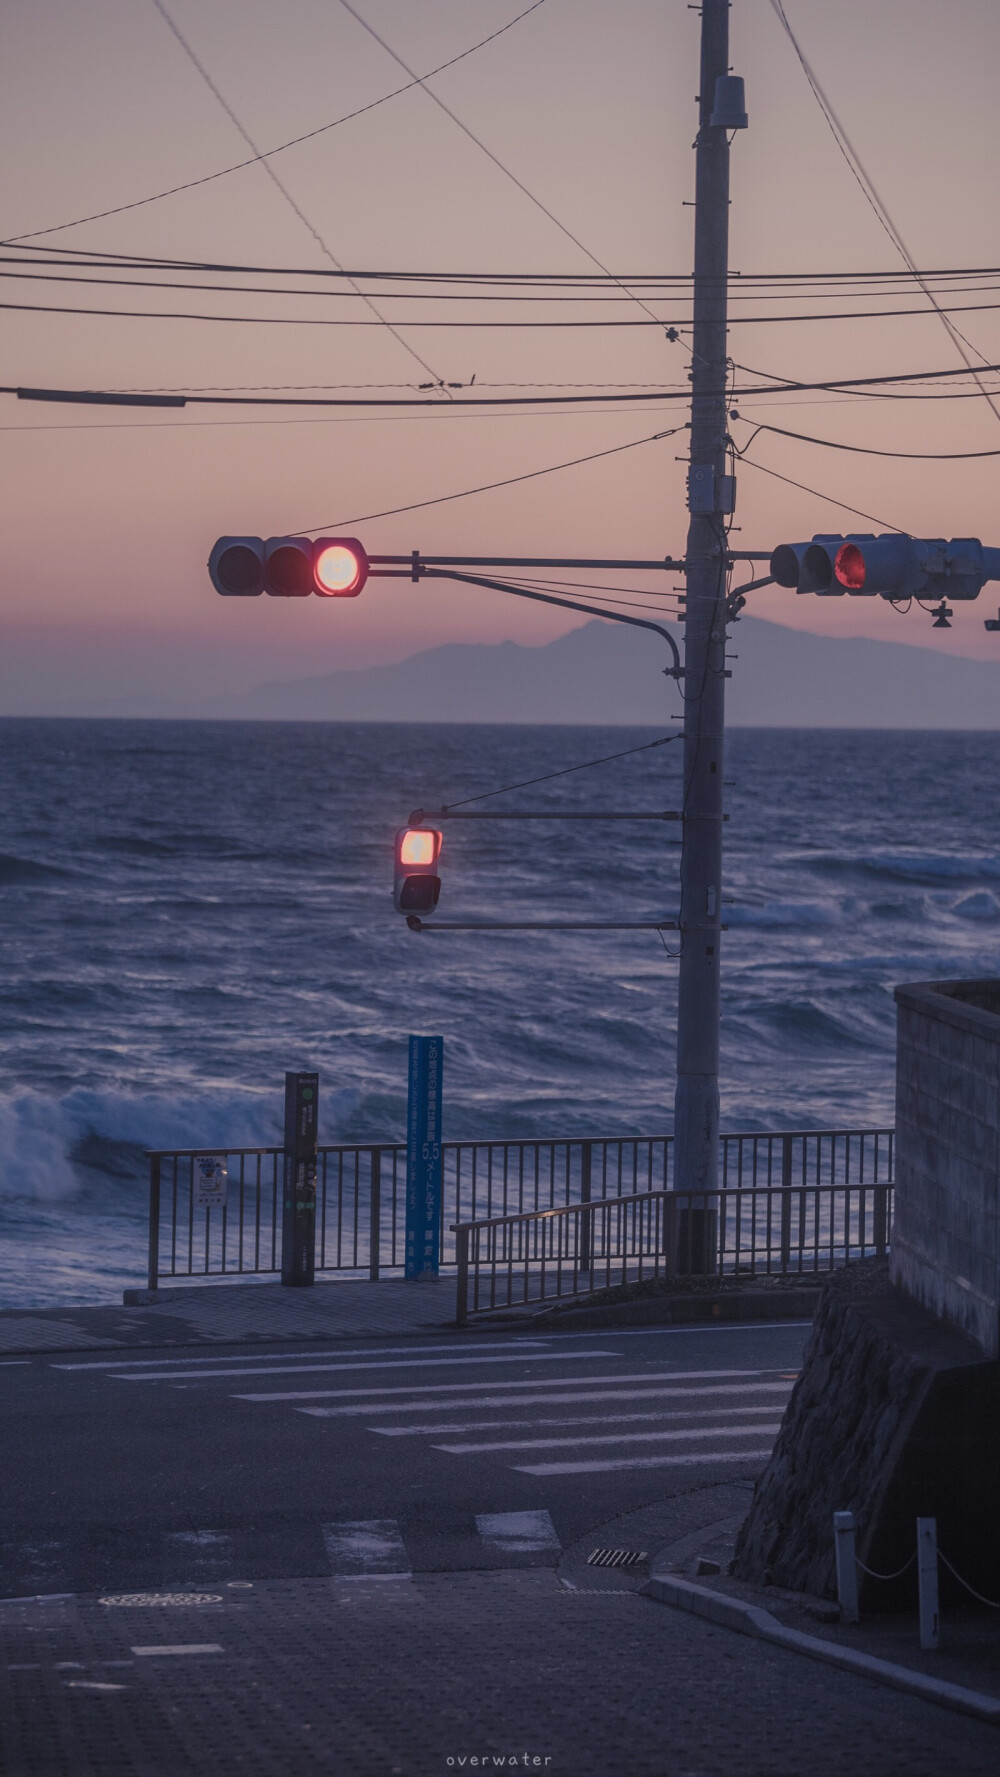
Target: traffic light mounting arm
{"x": 419, "y": 570}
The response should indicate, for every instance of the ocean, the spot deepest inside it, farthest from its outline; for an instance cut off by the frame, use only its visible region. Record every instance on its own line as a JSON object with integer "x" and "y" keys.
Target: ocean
{"x": 187, "y": 909}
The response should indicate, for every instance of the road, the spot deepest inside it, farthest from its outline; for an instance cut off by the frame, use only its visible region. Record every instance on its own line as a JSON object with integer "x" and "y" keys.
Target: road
{"x": 439, "y": 1454}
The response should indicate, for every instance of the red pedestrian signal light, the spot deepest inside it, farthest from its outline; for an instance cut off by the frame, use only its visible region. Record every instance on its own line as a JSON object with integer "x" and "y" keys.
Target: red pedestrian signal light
{"x": 288, "y": 567}
{"x": 416, "y": 884}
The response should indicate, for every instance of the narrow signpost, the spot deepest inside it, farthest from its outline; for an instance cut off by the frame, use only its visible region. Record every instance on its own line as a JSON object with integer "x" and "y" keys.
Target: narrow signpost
{"x": 424, "y": 1155}
{"x": 298, "y": 1222}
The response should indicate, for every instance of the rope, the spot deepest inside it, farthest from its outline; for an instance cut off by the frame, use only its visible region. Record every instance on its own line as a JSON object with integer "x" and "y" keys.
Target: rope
{"x": 872, "y": 1575}
{"x": 953, "y": 1570}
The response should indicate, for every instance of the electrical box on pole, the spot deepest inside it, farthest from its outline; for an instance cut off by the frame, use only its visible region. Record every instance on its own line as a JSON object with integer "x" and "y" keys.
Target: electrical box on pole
{"x": 298, "y": 1221}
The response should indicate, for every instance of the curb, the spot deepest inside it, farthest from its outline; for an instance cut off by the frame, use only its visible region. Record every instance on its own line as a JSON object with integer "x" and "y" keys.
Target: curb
{"x": 748, "y": 1305}
{"x": 749, "y": 1619}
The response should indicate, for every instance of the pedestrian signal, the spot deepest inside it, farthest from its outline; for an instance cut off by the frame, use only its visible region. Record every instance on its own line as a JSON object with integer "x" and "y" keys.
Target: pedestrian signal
{"x": 417, "y": 885}
{"x": 288, "y": 567}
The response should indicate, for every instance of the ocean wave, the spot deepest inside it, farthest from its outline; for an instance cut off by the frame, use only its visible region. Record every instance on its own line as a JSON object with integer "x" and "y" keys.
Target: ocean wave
{"x": 14, "y": 870}
{"x": 55, "y": 1149}
{"x": 775, "y": 914}
{"x": 922, "y": 868}
{"x": 981, "y": 906}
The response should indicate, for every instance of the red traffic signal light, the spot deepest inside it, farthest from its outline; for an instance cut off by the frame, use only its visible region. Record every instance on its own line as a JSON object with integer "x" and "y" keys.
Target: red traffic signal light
{"x": 340, "y": 567}
{"x": 892, "y": 566}
{"x": 288, "y": 567}
{"x": 416, "y": 884}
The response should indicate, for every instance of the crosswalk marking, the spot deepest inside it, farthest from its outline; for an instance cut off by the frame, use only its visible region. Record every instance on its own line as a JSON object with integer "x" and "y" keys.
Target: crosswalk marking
{"x": 124, "y": 1362}
{"x": 320, "y": 1394}
{"x": 366, "y": 1548}
{"x": 434, "y": 1363}
{"x": 636, "y": 1437}
{"x": 420, "y": 1431}
{"x": 518, "y": 1533}
{"x": 633, "y": 1462}
{"x": 568, "y": 1394}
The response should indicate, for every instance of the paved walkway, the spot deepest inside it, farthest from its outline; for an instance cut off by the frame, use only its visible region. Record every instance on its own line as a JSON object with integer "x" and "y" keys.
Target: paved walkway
{"x": 231, "y": 1313}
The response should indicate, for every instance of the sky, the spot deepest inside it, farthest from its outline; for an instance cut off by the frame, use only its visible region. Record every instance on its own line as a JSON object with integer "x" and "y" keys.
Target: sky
{"x": 589, "y": 105}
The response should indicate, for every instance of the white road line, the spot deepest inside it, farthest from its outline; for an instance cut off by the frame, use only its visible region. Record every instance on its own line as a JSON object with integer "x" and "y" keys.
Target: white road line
{"x": 689, "y": 1435}
{"x": 181, "y": 1647}
{"x": 699, "y": 1394}
{"x": 518, "y": 1533}
{"x": 147, "y": 1363}
{"x": 433, "y": 1363}
{"x": 629, "y": 1462}
{"x": 366, "y": 1548}
{"x": 427, "y": 1431}
{"x": 325, "y": 1394}
{"x": 564, "y": 1399}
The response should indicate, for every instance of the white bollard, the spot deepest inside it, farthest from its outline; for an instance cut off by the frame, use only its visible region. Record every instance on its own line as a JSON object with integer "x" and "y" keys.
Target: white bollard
{"x": 847, "y": 1571}
{"x": 927, "y": 1581}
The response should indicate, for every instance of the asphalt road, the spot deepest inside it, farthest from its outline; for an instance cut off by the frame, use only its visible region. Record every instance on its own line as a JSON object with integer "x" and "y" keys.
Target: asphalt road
{"x": 443, "y": 1454}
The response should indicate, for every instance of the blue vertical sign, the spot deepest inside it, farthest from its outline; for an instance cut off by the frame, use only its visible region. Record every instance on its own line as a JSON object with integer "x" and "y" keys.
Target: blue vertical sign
{"x": 424, "y": 1157}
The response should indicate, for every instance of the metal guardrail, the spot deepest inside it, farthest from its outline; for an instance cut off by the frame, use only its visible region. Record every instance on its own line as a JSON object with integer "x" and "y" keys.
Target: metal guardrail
{"x": 361, "y": 1192}
{"x": 786, "y": 1230}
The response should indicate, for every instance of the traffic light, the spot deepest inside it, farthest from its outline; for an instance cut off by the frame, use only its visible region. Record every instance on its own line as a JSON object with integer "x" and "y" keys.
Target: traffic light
{"x": 288, "y": 567}
{"x": 891, "y": 567}
{"x": 416, "y": 884}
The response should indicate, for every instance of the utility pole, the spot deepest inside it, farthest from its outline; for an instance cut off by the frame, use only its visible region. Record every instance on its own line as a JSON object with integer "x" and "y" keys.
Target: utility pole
{"x": 710, "y": 498}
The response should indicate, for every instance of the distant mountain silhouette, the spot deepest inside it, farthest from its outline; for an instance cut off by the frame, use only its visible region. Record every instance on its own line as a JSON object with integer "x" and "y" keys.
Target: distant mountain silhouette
{"x": 604, "y": 674}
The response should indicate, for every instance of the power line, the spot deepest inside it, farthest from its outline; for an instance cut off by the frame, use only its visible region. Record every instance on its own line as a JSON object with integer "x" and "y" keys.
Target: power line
{"x": 926, "y": 456}
{"x": 570, "y": 236}
{"x": 269, "y": 153}
{"x": 962, "y": 345}
{"x": 437, "y": 296}
{"x": 487, "y": 487}
{"x": 750, "y": 464}
{"x": 272, "y": 175}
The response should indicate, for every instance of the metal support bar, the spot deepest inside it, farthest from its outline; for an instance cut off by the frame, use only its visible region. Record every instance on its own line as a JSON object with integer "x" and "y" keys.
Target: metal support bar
{"x": 375, "y": 1215}
{"x": 786, "y": 1201}
{"x": 586, "y": 1221}
{"x": 462, "y": 1290}
{"x": 416, "y": 924}
{"x": 154, "y": 1220}
{"x": 445, "y": 814}
{"x": 927, "y": 1581}
{"x": 847, "y": 1567}
{"x": 546, "y": 598}
{"x": 666, "y": 563}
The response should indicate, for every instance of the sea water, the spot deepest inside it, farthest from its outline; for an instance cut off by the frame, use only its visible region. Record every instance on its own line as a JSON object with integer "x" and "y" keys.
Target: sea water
{"x": 187, "y": 909}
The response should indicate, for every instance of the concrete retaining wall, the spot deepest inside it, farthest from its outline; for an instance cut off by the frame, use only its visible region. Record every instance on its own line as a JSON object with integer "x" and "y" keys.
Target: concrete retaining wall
{"x": 945, "y": 1243}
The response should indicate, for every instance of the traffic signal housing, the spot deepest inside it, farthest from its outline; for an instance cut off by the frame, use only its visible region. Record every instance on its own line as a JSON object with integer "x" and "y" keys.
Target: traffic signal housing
{"x": 288, "y": 567}
{"x": 891, "y": 567}
{"x": 416, "y": 883}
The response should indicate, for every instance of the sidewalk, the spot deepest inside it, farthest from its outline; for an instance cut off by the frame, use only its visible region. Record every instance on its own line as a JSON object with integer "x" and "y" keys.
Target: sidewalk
{"x": 232, "y": 1313}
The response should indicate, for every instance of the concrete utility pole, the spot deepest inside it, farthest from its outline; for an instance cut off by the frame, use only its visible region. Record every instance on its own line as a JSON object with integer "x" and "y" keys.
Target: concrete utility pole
{"x": 710, "y": 497}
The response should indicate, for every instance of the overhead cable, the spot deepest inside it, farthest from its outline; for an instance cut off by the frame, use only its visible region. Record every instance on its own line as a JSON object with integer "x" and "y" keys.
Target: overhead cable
{"x": 283, "y": 189}
{"x": 269, "y": 153}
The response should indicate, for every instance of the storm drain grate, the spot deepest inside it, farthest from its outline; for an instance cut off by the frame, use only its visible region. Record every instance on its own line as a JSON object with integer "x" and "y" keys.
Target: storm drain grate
{"x": 616, "y": 1557}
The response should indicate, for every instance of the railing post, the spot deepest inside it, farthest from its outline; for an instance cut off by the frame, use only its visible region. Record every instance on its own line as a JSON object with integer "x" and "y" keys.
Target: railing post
{"x": 880, "y": 1219}
{"x": 375, "y": 1215}
{"x": 847, "y": 1569}
{"x": 461, "y": 1233}
{"x": 927, "y": 1581}
{"x": 585, "y": 1243}
{"x": 154, "y": 1220}
{"x": 786, "y": 1202}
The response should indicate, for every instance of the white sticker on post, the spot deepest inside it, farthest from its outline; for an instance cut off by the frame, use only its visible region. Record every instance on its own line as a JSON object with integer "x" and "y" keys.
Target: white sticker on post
{"x": 211, "y": 1179}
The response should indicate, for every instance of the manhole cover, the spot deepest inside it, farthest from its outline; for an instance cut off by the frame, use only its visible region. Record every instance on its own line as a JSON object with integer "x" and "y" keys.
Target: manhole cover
{"x": 616, "y": 1557}
{"x": 148, "y": 1599}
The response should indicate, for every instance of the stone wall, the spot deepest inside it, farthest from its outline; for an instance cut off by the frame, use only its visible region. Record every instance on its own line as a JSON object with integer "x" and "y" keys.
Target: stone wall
{"x": 894, "y": 1417}
{"x": 946, "y": 1225}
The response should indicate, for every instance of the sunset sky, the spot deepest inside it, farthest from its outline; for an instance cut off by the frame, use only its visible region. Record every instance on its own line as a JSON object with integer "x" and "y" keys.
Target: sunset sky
{"x": 589, "y": 104}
